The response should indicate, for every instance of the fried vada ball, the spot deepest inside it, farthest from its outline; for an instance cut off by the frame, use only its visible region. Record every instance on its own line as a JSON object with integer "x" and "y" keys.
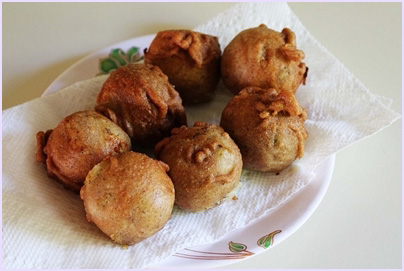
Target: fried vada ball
{"x": 129, "y": 197}
{"x": 80, "y": 141}
{"x": 262, "y": 57}
{"x": 268, "y": 127}
{"x": 205, "y": 165}
{"x": 191, "y": 60}
{"x": 139, "y": 98}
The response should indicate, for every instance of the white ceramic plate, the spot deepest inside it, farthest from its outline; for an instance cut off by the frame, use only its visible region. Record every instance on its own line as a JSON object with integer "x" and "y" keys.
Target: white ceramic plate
{"x": 256, "y": 237}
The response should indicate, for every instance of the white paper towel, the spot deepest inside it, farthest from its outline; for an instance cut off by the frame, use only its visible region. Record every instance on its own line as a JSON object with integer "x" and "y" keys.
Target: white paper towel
{"x": 44, "y": 225}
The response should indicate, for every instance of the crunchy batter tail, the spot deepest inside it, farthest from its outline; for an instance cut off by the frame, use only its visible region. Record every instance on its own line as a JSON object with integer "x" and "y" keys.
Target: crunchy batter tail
{"x": 41, "y": 140}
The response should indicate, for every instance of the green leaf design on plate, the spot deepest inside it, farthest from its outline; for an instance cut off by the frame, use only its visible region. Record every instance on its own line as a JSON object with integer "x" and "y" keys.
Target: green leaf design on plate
{"x": 237, "y": 247}
{"x": 107, "y": 65}
{"x": 267, "y": 240}
{"x": 133, "y": 54}
{"x": 117, "y": 58}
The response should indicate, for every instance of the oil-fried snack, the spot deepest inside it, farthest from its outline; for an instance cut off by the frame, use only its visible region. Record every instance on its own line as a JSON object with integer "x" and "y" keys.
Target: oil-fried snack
{"x": 139, "y": 98}
{"x": 268, "y": 127}
{"x": 191, "y": 60}
{"x": 205, "y": 165}
{"x": 262, "y": 57}
{"x": 129, "y": 197}
{"x": 80, "y": 141}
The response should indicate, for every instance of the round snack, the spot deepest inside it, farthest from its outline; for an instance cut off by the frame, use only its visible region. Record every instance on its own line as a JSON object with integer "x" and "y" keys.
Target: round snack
{"x": 264, "y": 58}
{"x": 80, "y": 141}
{"x": 129, "y": 197}
{"x": 205, "y": 165}
{"x": 267, "y": 126}
{"x": 142, "y": 102}
{"x": 191, "y": 60}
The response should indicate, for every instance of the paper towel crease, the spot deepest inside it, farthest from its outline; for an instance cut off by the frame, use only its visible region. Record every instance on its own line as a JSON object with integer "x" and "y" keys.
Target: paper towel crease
{"x": 44, "y": 225}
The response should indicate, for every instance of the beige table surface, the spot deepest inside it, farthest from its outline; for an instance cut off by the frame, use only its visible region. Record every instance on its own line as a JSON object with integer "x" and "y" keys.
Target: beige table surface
{"x": 359, "y": 222}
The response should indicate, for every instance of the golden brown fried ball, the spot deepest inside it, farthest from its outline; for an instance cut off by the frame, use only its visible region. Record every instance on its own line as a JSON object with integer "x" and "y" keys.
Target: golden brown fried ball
{"x": 80, "y": 141}
{"x": 268, "y": 127}
{"x": 142, "y": 102}
{"x": 262, "y": 57}
{"x": 129, "y": 197}
{"x": 205, "y": 165}
{"x": 191, "y": 60}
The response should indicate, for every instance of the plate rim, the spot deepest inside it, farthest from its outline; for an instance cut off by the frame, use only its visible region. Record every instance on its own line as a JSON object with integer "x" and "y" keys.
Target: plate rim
{"x": 53, "y": 85}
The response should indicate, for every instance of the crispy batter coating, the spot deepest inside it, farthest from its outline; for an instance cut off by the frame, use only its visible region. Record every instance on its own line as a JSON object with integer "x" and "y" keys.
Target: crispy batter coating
{"x": 139, "y": 98}
{"x": 268, "y": 127}
{"x": 80, "y": 141}
{"x": 262, "y": 57}
{"x": 129, "y": 197}
{"x": 191, "y": 60}
{"x": 205, "y": 165}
